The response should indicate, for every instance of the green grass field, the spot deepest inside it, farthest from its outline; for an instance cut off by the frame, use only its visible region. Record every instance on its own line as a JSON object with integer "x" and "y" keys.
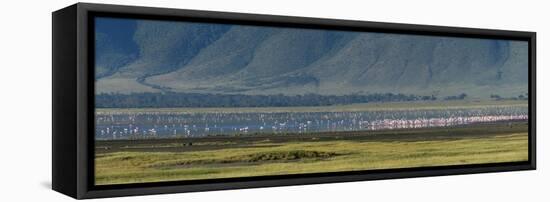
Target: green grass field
{"x": 135, "y": 161}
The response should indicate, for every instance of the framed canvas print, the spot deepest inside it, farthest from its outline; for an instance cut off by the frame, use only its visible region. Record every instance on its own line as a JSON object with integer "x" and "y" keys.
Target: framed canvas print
{"x": 154, "y": 100}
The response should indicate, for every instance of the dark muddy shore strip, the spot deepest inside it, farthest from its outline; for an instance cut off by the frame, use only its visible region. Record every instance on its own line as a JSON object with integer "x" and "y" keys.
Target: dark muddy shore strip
{"x": 482, "y": 130}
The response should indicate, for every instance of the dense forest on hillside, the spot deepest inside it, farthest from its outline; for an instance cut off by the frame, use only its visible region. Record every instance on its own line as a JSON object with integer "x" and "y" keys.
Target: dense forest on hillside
{"x": 141, "y": 100}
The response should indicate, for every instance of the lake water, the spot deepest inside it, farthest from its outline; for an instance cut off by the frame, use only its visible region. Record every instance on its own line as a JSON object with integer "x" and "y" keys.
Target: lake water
{"x": 151, "y": 124}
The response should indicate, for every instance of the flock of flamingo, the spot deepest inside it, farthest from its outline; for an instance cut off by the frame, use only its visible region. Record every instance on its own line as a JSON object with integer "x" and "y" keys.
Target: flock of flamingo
{"x": 130, "y": 125}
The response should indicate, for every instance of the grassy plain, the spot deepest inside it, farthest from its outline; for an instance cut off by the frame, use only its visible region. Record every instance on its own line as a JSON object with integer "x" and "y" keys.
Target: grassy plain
{"x": 135, "y": 161}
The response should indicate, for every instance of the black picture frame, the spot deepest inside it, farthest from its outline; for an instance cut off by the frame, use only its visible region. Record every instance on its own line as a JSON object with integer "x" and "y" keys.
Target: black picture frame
{"x": 73, "y": 101}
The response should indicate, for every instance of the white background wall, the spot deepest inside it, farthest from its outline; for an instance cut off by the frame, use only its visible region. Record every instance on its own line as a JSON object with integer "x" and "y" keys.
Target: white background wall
{"x": 25, "y": 100}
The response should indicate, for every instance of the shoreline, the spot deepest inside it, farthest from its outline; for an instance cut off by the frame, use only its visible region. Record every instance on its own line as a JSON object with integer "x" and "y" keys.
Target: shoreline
{"x": 478, "y": 130}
